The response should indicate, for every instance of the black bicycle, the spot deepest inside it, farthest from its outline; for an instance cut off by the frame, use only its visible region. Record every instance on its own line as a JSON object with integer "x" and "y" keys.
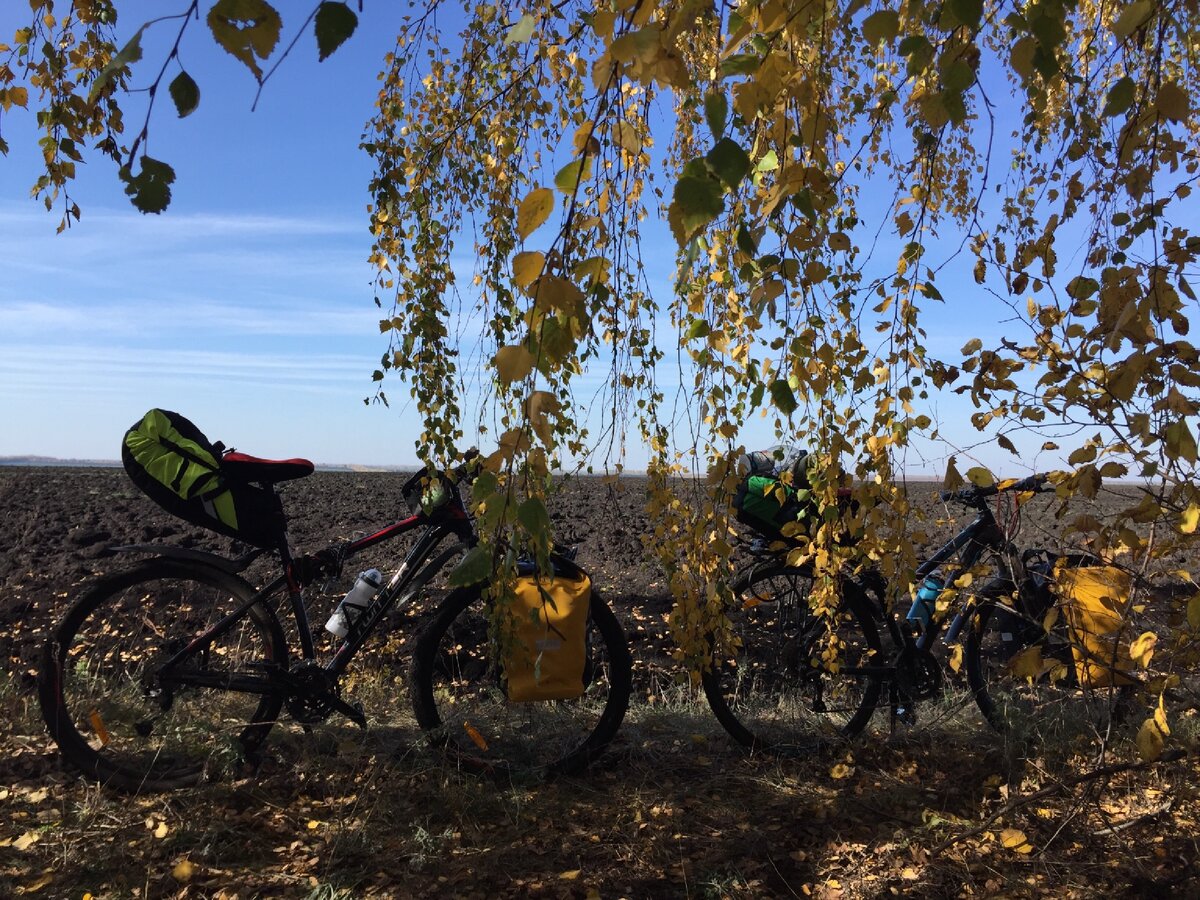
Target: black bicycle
{"x": 175, "y": 670}
{"x": 785, "y": 678}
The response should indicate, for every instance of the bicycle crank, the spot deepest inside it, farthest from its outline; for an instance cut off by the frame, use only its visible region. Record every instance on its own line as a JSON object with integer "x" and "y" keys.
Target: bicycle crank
{"x": 313, "y": 696}
{"x": 918, "y": 674}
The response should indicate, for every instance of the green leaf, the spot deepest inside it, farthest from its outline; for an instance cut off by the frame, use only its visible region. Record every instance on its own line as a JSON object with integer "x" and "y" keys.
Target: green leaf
{"x": 475, "y": 567}
{"x": 962, "y": 12}
{"x": 804, "y": 203}
{"x": 532, "y": 516}
{"x": 1120, "y": 97}
{"x": 573, "y": 174}
{"x": 919, "y": 52}
{"x": 698, "y": 200}
{"x": 957, "y": 76}
{"x": 150, "y": 189}
{"x": 1081, "y": 287}
{"x": 130, "y": 53}
{"x": 782, "y": 397}
{"x": 334, "y": 24}
{"x": 1133, "y": 17}
{"x": 881, "y": 26}
{"x": 745, "y": 241}
{"x": 245, "y": 29}
{"x": 716, "y": 113}
{"x": 729, "y": 161}
{"x": 186, "y": 94}
{"x": 699, "y": 328}
{"x": 522, "y": 31}
{"x": 741, "y": 64}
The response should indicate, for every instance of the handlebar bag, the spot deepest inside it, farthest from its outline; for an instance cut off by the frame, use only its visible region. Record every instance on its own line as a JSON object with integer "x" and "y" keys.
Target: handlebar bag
{"x": 1094, "y": 599}
{"x": 177, "y": 467}
{"x": 546, "y": 655}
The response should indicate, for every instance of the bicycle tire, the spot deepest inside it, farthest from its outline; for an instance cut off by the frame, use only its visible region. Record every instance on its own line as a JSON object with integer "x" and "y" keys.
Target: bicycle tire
{"x": 459, "y": 699}
{"x": 101, "y": 699}
{"x": 767, "y": 685}
{"x": 1022, "y": 674}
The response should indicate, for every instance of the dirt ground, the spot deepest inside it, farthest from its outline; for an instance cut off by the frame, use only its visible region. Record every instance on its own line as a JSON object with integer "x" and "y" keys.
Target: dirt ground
{"x": 675, "y": 810}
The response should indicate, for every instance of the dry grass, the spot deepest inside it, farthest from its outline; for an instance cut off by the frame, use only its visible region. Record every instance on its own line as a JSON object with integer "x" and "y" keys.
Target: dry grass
{"x": 673, "y": 811}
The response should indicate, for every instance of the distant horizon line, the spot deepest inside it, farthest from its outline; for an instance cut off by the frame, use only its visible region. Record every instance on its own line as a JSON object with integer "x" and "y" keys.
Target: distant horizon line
{"x": 30, "y": 461}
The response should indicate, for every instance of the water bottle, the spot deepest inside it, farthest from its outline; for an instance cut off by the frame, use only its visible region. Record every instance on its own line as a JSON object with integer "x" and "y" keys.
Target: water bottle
{"x": 924, "y": 606}
{"x": 354, "y": 602}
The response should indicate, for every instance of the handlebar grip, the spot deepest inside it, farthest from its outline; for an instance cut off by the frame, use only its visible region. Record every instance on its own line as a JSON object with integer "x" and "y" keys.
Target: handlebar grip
{"x": 974, "y": 493}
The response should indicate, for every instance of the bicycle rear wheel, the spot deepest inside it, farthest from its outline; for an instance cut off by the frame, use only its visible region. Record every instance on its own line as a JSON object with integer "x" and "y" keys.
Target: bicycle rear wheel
{"x": 770, "y": 686}
{"x": 460, "y": 700}
{"x": 1023, "y": 675}
{"x": 101, "y": 694}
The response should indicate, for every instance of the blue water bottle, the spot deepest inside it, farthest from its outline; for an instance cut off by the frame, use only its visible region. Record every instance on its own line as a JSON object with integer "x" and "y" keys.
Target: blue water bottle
{"x": 925, "y": 605}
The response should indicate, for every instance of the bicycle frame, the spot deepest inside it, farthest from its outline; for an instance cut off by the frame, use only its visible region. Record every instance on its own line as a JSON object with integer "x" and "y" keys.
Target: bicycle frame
{"x": 415, "y": 571}
{"x": 969, "y": 546}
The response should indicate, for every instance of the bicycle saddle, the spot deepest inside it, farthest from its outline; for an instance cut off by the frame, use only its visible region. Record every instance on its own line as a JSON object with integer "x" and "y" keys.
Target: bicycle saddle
{"x": 245, "y": 467}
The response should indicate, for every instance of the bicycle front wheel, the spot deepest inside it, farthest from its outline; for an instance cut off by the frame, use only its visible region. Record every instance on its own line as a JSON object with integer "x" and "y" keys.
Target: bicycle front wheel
{"x": 771, "y": 683}
{"x": 459, "y": 696}
{"x": 106, "y": 704}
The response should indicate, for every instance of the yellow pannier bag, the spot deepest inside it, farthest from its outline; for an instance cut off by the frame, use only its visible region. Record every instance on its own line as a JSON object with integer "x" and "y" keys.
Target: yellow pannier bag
{"x": 547, "y": 653}
{"x": 1094, "y": 600}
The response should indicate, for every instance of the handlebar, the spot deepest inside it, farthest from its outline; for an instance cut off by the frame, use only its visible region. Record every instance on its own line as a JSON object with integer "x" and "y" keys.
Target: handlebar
{"x": 974, "y": 495}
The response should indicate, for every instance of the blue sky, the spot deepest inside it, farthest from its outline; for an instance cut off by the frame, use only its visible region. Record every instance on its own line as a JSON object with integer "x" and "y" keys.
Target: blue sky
{"x": 247, "y": 306}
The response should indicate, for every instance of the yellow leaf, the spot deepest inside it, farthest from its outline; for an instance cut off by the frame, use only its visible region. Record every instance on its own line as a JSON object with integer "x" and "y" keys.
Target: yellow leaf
{"x": 840, "y": 771}
{"x": 956, "y": 658}
{"x": 313, "y": 824}
{"x": 27, "y": 840}
{"x": 38, "y": 883}
{"x": 162, "y": 830}
{"x": 953, "y": 481}
{"x": 1133, "y": 17}
{"x": 1028, "y": 663}
{"x": 534, "y": 210}
{"x": 839, "y": 241}
{"x": 626, "y": 137}
{"x": 1014, "y": 839}
{"x": 527, "y": 266}
{"x": 558, "y": 293}
{"x": 1142, "y": 649}
{"x": 246, "y": 29}
{"x": 1172, "y": 102}
{"x": 980, "y": 476}
{"x": 183, "y": 870}
{"x": 570, "y": 875}
{"x": 513, "y": 363}
{"x": 1193, "y": 613}
{"x": 1160, "y": 716}
{"x": 1190, "y": 519}
{"x": 540, "y": 406}
{"x": 1150, "y": 741}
